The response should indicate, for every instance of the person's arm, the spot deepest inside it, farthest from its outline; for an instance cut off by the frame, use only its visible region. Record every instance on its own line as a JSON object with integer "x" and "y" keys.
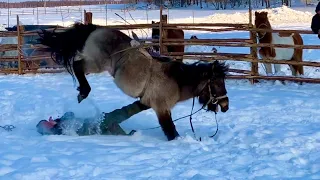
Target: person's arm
{"x": 315, "y": 24}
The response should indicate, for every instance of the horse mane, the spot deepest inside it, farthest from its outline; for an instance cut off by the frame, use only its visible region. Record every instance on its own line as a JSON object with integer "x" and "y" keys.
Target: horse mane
{"x": 64, "y": 44}
{"x": 195, "y": 73}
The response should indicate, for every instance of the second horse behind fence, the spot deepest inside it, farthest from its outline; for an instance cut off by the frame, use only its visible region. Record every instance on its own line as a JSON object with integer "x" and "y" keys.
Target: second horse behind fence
{"x": 169, "y": 34}
{"x": 276, "y": 53}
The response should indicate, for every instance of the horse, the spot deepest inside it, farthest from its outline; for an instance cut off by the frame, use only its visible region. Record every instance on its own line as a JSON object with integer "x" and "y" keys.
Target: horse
{"x": 262, "y": 21}
{"x": 170, "y": 34}
{"x": 160, "y": 85}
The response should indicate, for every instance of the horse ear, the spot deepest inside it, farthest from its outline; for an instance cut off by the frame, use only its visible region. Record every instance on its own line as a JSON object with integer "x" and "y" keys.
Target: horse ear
{"x": 134, "y": 35}
{"x": 256, "y": 13}
{"x": 265, "y": 14}
{"x": 152, "y": 22}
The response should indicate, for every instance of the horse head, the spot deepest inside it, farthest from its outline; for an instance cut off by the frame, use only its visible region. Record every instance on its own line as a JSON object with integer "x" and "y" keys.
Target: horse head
{"x": 193, "y": 37}
{"x": 262, "y": 22}
{"x": 214, "y": 92}
{"x": 155, "y": 35}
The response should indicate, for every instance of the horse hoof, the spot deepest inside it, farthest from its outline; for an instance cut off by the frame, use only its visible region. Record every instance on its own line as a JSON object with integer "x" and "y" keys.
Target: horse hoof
{"x": 83, "y": 93}
{"x": 80, "y": 98}
{"x": 174, "y": 137}
{"x": 132, "y": 132}
{"x": 171, "y": 138}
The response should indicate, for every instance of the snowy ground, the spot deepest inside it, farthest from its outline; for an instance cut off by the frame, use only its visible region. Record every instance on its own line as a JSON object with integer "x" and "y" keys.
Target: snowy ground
{"x": 270, "y": 132}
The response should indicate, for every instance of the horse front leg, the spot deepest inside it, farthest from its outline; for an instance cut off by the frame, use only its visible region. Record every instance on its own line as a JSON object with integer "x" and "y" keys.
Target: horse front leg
{"x": 167, "y": 125}
{"x": 84, "y": 87}
{"x": 277, "y": 68}
{"x": 267, "y": 66}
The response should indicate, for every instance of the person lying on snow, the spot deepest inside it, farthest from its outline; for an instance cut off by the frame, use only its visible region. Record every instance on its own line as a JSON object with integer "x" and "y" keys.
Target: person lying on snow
{"x": 315, "y": 24}
{"x": 109, "y": 125}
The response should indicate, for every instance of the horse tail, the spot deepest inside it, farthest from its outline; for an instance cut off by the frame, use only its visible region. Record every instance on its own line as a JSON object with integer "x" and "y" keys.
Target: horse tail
{"x": 64, "y": 44}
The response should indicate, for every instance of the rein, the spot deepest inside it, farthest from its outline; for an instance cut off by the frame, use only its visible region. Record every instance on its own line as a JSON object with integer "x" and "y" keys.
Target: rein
{"x": 214, "y": 100}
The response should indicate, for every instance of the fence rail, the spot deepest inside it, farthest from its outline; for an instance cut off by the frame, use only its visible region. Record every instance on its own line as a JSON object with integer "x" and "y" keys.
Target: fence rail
{"x": 34, "y": 4}
{"x": 163, "y": 41}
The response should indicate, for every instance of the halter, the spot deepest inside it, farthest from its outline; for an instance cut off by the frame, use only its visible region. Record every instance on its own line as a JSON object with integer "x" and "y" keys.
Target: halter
{"x": 263, "y": 24}
{"x": 213, "y": 99}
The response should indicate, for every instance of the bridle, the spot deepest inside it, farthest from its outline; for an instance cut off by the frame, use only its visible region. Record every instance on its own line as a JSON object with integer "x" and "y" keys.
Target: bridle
{"x": 213, "y": 100}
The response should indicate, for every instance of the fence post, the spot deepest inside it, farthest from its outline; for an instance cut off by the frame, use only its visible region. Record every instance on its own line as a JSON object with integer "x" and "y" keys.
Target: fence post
{"x": 253, "y": 48}
{"x": 19, "y": 37}
{"x": 164, "y": 20}
{"x": 253, "y": 52}
{"x": 160, "y": 31}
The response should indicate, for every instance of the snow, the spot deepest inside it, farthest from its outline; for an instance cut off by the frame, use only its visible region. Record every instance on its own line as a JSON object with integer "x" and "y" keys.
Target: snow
{"x": 270, "y": 132}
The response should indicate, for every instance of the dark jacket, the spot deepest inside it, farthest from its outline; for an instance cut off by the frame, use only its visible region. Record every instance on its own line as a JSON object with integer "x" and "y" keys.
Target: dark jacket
{"x": 315, "y": 24}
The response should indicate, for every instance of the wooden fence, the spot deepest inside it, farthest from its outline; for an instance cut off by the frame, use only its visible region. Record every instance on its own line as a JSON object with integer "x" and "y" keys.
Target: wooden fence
{"x": 250, "y": 42}
{"x": 44, "y": 4}
{"x": 23, "y": 64}
{"x": 18, "y": 62}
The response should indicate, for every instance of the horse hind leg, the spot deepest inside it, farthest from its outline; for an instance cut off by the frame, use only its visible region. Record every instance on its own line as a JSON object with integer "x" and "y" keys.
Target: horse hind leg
{"x": 296, "y": 69}
{"x": 293, "y": 70}
{"x": 167, "y": 124}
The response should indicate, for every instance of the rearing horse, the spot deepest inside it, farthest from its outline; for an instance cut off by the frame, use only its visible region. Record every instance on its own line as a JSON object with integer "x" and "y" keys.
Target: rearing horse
{"x": 262, "y": 22}
{"x": 160, "y": 84}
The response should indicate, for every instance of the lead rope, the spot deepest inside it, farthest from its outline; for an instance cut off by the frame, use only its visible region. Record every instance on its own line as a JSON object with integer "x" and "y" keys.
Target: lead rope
{"x": 8, "y": 127}
{"x": 215, "y": 115}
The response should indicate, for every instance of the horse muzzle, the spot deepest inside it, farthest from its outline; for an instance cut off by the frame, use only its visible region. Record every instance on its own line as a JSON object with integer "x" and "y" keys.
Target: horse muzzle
{"x": 224, "y": 104}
